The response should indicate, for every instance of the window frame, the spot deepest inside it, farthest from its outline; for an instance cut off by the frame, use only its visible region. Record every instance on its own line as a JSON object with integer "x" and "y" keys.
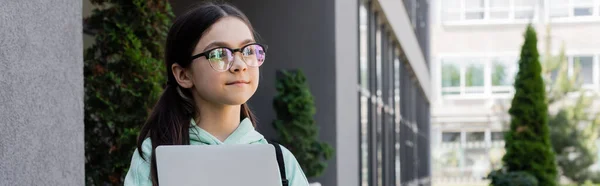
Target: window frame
{"x": 512, "y": 9}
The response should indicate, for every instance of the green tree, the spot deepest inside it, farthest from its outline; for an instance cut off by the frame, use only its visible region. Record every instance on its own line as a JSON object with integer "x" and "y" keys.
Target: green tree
{"x": 528, "y": 146}
{"x": 499, "y": 74}
{"x": 573, "y": 129}
{"x": 450, "y": 75}
{"x": 123, "y": 72}
{"x": 295, "y": 125}
{"x": 474, "y": 75}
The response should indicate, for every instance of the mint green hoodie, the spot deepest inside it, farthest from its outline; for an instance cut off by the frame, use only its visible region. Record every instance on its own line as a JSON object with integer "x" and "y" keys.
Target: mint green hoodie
{"x": 139, "y": 171}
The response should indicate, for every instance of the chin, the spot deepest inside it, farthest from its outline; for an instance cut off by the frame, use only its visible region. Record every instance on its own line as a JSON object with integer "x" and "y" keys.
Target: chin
{"x": 235, "y": 101}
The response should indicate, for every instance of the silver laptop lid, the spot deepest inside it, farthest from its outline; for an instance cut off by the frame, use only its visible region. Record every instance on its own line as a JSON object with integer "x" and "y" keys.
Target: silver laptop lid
{"x": 217, "y": 165}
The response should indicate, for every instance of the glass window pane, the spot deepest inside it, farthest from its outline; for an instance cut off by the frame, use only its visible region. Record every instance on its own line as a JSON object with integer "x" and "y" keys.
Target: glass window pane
{"x": 449, "y": 137}
{"x": 475, "y": 136}
{"x": 503, "y": 72}
{"x": 499, "y": 74}
{"x": 474, "y": 4}
{"x": 474, "y": 15}
{"x": 450, "y": 74}
{"x": 524, "y": 14}
{"x": 525, "y": 3}
{"x": 474, "y": 74}
{"x": 586, "y": 64}
{"x": 378, "y": 52}
{"x": 499, "y": 15}
{"x": 497, "y": 136}
{"x": 583, "y": 11}
{"x": 364, "y": 48}
{"x": 499, "y": 4}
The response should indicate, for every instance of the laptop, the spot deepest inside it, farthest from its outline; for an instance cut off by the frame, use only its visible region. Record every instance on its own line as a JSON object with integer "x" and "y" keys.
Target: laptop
{"x": 217, "y": 165}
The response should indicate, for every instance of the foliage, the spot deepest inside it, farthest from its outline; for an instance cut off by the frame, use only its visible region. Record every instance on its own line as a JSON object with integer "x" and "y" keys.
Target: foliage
{"x": 528, "y": 146}
{"x": 474, "y": 75}
{"x": 573, "y": 129}
{"x": 123, "y": 78}
{"x": 296, "y": 127}
{"x": 499, "y": 74}
{"x": 518, "y": 178}
{"x": 450, "y": 75}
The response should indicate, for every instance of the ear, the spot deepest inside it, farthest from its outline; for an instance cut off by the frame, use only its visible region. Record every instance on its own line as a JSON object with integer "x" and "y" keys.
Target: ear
{"x": 183, "y": 77}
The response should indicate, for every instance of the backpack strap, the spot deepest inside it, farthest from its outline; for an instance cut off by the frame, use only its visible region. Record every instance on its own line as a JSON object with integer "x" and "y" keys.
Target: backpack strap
{"x": 280, "y": 162}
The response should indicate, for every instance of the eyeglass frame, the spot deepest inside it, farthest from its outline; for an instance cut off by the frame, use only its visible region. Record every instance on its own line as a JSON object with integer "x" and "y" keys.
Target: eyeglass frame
{"x": 233, "y": 51}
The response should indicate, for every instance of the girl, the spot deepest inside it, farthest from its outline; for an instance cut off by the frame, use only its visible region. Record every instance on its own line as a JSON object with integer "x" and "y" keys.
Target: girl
{"x": 212, "y": 61}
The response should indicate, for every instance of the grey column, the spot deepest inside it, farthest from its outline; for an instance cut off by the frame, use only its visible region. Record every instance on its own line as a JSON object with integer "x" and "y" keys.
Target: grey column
{"x": 41, "y": 93}
{"x": 346, "y": 95}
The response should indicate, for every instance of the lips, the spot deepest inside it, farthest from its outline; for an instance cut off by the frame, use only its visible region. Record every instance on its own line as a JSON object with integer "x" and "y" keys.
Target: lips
{"x": 238, "y": 82}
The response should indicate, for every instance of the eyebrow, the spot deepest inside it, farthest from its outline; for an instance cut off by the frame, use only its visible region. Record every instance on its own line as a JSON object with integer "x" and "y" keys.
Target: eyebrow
{"x": 224, "y": 44}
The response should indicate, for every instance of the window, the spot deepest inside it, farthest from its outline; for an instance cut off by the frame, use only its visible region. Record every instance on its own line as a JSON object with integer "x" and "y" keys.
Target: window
{"x": 499, "y": 9}
{"x": 573, "y": 8}
{"x": 451, "y": 137}
{"x": 478, "y": 75}
{"x": 390, "y": 146}
{"x": 583, "y": 7}
{"x": 585, "y": 64}
{"x": 503, "y": 72}
{"x": 499, "y": 74}
{"x": 475, "y": 136}
{"x": 474, "y": 74}
{"x": 524, "y": 9}
{"x": 497, "y": 136}
{"x": 474, "y": 77}
{"x": 450, "y": 77}
{"x": 366, "y": 103}
{"x": 364, "y": 48}
{"x": 474, "y": 11}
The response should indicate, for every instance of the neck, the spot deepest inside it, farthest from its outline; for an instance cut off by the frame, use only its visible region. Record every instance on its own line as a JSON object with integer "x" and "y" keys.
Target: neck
{"x": 218, "y": 120}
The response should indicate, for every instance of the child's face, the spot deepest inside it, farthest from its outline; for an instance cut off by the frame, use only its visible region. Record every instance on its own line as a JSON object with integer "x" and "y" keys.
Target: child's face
{"x": 230, "y": 87}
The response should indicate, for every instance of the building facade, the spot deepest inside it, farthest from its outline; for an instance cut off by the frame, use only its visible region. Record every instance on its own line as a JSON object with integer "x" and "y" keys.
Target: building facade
{"x": 474, "y": 50}
{"x": 365, "y": 62}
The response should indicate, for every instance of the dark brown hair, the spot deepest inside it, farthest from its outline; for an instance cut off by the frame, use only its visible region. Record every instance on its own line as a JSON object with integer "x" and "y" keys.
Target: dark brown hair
{"x": 169, "y": 122}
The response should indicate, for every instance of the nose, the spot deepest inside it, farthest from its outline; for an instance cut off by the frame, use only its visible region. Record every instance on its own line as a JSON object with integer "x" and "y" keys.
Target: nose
{"x": 238, "y": 64}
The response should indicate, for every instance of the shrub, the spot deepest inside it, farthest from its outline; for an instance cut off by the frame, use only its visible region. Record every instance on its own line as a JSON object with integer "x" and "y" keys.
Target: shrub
{"x": 500, "y": 178}
{"x": 123, "y": 73}
{"x": 295, "y": 125}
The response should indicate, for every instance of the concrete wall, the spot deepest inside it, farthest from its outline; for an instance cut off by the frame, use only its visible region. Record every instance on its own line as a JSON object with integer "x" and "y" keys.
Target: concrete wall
{"x": 41, "y": 93}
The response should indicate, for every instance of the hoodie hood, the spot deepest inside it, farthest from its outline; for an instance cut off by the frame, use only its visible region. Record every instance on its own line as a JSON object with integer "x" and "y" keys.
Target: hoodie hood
{"x": 243, "y": 134}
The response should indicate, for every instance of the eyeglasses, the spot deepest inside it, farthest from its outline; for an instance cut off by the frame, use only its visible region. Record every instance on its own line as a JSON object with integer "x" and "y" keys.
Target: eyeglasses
{"x": 221, "y": 58}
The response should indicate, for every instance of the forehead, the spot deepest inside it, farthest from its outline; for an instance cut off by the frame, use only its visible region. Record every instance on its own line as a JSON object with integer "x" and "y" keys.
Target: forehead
{"x": 229, "y": 30}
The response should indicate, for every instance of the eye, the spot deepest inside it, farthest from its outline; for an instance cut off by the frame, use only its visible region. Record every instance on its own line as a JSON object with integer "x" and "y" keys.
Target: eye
{"x": 248, "y": 51}
{"x": 219, "y": 54}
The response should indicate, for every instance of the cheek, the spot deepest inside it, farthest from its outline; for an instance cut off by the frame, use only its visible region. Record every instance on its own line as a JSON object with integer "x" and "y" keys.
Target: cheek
{"x": 255, "y": 75}
{"x": 205, "y": 78}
